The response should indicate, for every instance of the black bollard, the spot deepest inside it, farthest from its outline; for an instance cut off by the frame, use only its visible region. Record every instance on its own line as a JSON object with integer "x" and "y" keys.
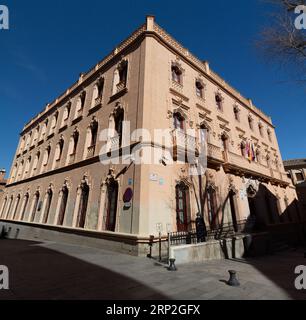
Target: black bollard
{"x": 233, "y": 281}
{"x": 172, "y": 266}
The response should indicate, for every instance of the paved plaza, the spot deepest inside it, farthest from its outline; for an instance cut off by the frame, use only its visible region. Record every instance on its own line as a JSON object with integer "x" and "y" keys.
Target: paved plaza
{"x": 48, "y": 270}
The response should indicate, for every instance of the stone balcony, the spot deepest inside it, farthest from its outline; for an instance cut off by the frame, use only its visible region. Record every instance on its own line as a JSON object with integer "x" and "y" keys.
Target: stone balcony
{"x": 121, "y": 86}
{"x": 238, "y": 163}
{"x": 98, "y": 101}
{"x": 115, "y": 143}
{"x": 91, "y": 151}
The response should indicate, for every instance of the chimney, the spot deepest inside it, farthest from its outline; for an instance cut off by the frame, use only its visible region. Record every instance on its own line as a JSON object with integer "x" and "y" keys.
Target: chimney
{"x": 150, "y": 22}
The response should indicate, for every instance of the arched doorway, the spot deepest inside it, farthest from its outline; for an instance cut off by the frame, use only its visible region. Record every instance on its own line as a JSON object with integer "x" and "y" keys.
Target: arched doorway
{"x": 112, "y": 205}
{"x": 63, "y": 206}
{"x": 35, "y": 206}
{"x": 16, "y": 207}
{"x": 48, "y": 205}
{"x": 182, "y": 207}
{"x": 212, "y": 207}
{"x": 83, "y": 205}
{"x": 25, "y": 205}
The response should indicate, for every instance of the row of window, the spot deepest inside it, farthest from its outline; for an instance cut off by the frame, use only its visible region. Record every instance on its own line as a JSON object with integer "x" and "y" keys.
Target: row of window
{"x": 177, "y": 76}
{"x": 16, "y": 209}
{"x": 29, "y": 167}
{"x": 46, "y": 129}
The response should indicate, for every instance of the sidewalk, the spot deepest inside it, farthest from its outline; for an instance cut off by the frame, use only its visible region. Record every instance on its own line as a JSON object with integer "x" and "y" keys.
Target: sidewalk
{"x": 48, "y": 270}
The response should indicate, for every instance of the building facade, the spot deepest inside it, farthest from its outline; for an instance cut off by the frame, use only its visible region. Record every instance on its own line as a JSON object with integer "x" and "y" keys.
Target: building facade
{"x": 296, "y": 171}
{"x": 149, "y": 81}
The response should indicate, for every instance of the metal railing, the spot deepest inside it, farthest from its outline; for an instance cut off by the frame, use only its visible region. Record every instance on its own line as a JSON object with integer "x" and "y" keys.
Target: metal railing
{"x": 227, "y": 230}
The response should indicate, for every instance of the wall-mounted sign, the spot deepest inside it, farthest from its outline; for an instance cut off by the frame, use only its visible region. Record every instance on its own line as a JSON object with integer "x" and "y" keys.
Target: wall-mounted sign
{"x": 128, "y": 195}
{"x": 130, "y": 181}
{"x": 153, "y": 177}
{"x": 161, "y": 181}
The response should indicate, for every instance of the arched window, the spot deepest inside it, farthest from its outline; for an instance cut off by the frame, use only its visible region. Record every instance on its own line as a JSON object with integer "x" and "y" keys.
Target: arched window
{"x": 225, "y": 141}
{"x": 260, "y": 126}
{"x": 119, "y": 118}
{"x": 46, "y": 157}
{"x": 8, "y": 211}
{"x": 182, "y": 207}
{"x": 243, "y": 149}
{"x": 219, "y": 101}
{"x": 16, "y": 207}
{"x": 35, "y": 206}
{"x": 177, "y": 74}
{"x": 269, "y": 135}
{"x": 237, "y": 113}
{"x": 29, "y": 137}
{"x": 250, "y": 120}
{"x": 111, "y": 206}
{"x": 35, "y": 136}
{"x": 63, "y": 206}
{"x": 53, "y": 123}
{"x": 58, "y": 153}
{"x": 20, "y": 170}
{"x": 14, "y": 172}
{"x": 48, "y": 206}
{"x": 66, "y": 114}
{"x": 81, "y": 218}
{"x": 97, "y": 93}
{"x": 120, "y": 77}
{"x": 178, "y": 121}
{"x": 212, "y": 207}
{"x": 35, "y": 163}
{"x": 22, "y": 144}
{"x": 91, "y": 140}
{"x": 27, "y": 168}
{"x": 44, "y": 130}
{"x": 25, "y": 205}
{"x": 73, "y": 144}
{"x": 199, "y": 89}
{"x": 204, "y": 133}
{"x": 80, "y": 104}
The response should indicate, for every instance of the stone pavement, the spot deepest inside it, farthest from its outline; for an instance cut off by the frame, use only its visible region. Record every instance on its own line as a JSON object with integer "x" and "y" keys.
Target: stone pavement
{"x": 48, "y": 270}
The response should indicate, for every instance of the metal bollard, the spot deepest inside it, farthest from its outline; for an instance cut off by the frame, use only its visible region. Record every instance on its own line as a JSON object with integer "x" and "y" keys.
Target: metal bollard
{"x": 233, "y": 281}
{"x": 172, "y": 266}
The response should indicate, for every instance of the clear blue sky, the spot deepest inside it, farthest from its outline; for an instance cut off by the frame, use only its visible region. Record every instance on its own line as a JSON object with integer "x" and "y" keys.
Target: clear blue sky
{"x": 51, "y": 42}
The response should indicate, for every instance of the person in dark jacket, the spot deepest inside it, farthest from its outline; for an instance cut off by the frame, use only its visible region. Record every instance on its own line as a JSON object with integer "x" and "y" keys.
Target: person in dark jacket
{"x": 201, "y": 228}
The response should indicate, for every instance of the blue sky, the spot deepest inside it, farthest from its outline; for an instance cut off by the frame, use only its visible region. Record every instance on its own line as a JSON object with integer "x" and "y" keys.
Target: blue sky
{"x": 51, "y": 42}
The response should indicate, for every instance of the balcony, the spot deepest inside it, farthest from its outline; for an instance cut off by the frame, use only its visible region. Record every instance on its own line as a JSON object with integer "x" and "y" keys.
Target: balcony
{"x": 98, "y": 101}
{"x": 121, "y": 86}
{"x": 239, "y": 163}
{"x": 177, "y": 86}
{"x": 91, "y": 151}
{"x": 214, "y": 153}
{"x": 115, "y": 143}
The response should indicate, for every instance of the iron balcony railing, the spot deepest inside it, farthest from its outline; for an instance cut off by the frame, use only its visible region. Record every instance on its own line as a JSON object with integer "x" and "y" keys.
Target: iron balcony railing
{"x": 227, "y": 230}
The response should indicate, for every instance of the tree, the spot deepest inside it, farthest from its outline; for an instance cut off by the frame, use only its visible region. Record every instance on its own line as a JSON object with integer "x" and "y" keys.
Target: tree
{"x": 282, "y": 41}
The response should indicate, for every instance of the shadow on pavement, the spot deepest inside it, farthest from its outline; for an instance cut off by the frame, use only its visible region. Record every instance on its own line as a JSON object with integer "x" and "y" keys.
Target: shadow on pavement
{"x": 39, "y": 273}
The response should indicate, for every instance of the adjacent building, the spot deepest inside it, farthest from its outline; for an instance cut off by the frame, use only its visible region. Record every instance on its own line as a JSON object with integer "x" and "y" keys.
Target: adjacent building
{"x": 2, "y": 182}
{"x": 149, "y": 81}
{"x": 296, "y": 171}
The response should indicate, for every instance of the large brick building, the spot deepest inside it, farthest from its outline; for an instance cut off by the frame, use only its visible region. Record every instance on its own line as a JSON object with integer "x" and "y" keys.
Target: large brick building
{"x": 153, "y": 82}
